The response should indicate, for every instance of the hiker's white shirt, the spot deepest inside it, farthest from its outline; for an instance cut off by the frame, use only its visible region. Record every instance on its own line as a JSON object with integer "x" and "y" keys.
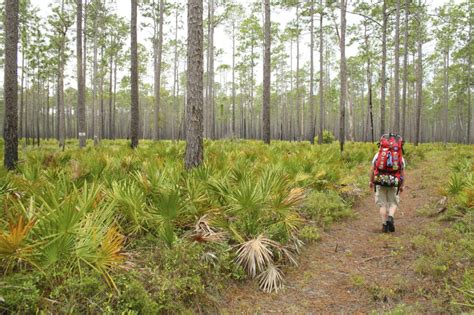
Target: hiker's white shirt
{"x": 404, "y": 163}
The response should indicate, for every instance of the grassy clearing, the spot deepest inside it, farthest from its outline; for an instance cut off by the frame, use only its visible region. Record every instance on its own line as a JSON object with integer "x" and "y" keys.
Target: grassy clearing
{"x": 446, "y": 247}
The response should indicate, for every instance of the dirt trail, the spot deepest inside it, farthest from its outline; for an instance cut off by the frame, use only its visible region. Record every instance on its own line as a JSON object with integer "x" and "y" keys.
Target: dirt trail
{"x": 354, "y": 268}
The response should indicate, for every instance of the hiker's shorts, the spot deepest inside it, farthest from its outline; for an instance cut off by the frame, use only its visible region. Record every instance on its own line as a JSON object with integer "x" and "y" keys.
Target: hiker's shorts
{"x": 386, "y": 197}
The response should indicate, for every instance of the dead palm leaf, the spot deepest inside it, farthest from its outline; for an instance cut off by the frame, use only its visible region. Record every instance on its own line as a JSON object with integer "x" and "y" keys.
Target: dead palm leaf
{"x": 271, "y": 279}
{"x": 255, "y": 254}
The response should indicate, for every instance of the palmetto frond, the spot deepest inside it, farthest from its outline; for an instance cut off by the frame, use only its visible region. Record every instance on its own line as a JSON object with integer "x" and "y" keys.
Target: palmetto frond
{"x": 203, "y": 232}
{"x": 271, "y": 279}
{"x": 13, "y": 242}
{"x": 255, "y": 254}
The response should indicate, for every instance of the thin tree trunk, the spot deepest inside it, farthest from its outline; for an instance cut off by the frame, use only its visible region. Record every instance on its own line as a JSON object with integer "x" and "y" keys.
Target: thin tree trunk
{"x": 369, "y": 86}
{"x": 157, "y": 70}
{"x": 114, "y": 111}
{"x": 194, "y": 114}
{"x": 405, "y": 70}
{"x": 81, "y": 109}
{"x": 111, "y": 64}
{"x": 134, "y": 123}
{"x": 396, "y": 120}
{"x": 61, "y": 121}
{"x": 342, "y": 100}
{"x": 383, "y": 74}
{"x": 22, "y": 98}
{"x": 469, "y": 105}
{"x": 266, "y": 75}
{"x": 101, "y": 93}
{"x": 233, "y": 78}
{"x": 175, "y": 80}
{"x": 446, "y": 94}
{"x": 211, "y": 71}
{"x": 299, "y": 112}
{"x": 419, "y": 82}
{"x": 311, "y": 78}
{"x": 321, "y": 74}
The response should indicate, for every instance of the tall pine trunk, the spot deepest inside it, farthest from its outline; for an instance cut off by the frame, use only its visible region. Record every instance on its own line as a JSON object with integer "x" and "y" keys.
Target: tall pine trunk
{"x": 419, "y": 82}
{"x": 405, "y": 70}
{"x": 158, "y": 49}
{"x": 469, "y": 105}
{"x": 446, "y": 94}
{"x": 10, "y": 85}
{"x": 343, "y": 91}
{"x": 194, "y": 113}
{"x": 61, "y": 116}
{"x": 134, "y": 123}
{"x": 81, "y": 109}
{"x": 311, "y": 78}
{"x": 266, "y": 75}
{"x": 396, "y": 120}
{"x": 383, "y": 74}
{"x": 321, "y": 75}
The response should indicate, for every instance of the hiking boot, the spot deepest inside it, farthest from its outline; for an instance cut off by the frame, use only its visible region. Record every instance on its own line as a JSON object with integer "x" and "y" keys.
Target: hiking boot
{"x": 384, "y": 228}
{"x": 390, "y": 224}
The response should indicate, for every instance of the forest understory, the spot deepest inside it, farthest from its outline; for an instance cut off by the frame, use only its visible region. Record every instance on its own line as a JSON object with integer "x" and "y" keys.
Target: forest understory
{"x": 109, "y": 229}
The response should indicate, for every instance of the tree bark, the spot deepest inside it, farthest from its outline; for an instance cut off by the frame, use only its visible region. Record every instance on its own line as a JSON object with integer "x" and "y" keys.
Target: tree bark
{"x": 266, "y": 75}
{"x": 299, "y": 112}
{"x": 321, "y": 75}
{"x": 342, "y": 99}
{"x": 81, "y": 109}
{"x": 174, "y": 110}
{"x": 94, "y": 84}
{"x": 446, "y": 94}
{"x": 369, "y": 87}
{"x": 419, "y": 82}
{"x": 405, "y": 70}
{"x": 469, "y": 65}
{"x": 111, "y": 65}
{"x": 311, "y": 78}
{"x": 134, "y": 123}
{"x": 10, "y": 85}
{"x": 383, "y": 74}
{"x": 396, "y": 120}
{"x": 233, "y": 78}
{"x": 61, "y": 118}
{"x": 158, "y": 49}
{"x": 194, "y": 114}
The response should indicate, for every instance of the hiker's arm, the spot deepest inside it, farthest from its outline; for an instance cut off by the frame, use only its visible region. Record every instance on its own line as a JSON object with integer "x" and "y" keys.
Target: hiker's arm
{"x": 371, "y": 182}
{"x": 402, "y": 174}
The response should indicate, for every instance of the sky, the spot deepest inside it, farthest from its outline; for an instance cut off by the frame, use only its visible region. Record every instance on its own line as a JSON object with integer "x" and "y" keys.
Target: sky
{"x": 222, "y": 39}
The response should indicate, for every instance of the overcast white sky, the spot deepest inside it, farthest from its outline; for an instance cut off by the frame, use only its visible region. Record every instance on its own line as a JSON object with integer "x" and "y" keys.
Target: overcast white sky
{"x": 222, "y": 40}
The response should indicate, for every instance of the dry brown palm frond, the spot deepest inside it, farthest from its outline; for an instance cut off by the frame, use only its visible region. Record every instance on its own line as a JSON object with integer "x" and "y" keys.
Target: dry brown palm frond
{"x": 297, "y": 244}
{"x": 11, "y": 242}
{"x": 271, "y": 279}
{"x": 203, "y": 232}
{"x": 289, "y": 255}
{"x": 76, "y": 170}
{"x": 255, "y": 254}
{"x": 295, "y": 197}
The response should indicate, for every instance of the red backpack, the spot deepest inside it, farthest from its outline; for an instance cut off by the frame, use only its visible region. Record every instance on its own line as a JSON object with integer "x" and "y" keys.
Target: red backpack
{"x": 388, "y": 166}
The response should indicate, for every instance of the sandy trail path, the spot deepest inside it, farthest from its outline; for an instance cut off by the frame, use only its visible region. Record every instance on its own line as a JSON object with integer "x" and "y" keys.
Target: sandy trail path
{"x": 354, "y": 268}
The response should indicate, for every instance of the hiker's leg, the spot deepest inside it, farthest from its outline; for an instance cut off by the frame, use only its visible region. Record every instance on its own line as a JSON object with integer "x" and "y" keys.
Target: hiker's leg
{"x": 381, "y": 202}
{"x": 383, "y": 214}
{"x": 393, "y": 201}
{"x": 391, "y": 211}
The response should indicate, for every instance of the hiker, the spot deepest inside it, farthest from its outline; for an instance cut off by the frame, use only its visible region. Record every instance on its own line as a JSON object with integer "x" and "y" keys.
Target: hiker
{"x": 386, "y": 178}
